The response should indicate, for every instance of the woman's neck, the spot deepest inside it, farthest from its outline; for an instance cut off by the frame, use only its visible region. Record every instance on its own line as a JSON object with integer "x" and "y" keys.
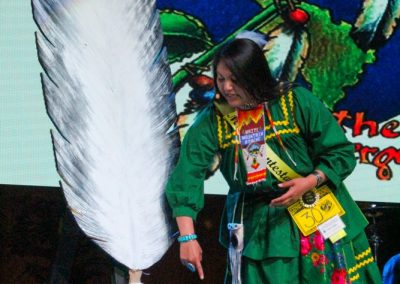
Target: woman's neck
{"x": 249, "y": 105}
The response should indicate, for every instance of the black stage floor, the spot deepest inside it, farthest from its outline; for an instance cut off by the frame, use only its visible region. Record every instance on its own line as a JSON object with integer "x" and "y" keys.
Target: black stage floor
{"x": 35, "y": 231}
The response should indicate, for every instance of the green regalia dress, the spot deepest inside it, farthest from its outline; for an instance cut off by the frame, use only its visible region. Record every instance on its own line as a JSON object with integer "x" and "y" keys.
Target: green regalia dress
{"x": 275, "y": 251}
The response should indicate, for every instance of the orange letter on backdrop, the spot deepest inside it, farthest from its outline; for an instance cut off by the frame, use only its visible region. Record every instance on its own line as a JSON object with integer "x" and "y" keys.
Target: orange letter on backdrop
{"x": 359, "y": 123}
{"x": 387, "y": 129}
{"x": 341, "y": 116}
{"x": 364, "y": 151}
{"x": 382, "y": 159}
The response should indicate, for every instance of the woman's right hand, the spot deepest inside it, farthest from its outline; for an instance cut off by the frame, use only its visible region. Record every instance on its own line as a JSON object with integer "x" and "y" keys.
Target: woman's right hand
{"x": 191, "y": 252}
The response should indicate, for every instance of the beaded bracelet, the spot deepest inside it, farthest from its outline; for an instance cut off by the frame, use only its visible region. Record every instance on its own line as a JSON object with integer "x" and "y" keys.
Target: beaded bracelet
{"x": 186, "y": 238}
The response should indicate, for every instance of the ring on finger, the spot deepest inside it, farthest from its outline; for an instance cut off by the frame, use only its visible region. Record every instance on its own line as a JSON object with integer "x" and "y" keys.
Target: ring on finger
{"x": 190, "y": 266}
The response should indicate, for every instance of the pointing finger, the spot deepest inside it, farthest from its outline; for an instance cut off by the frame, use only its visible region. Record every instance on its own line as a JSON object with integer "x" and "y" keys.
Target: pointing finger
{"x": 200, "y": 270}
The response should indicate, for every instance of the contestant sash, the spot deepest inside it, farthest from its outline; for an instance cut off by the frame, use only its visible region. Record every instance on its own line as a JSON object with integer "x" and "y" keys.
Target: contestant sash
{"x": 315, "y": 206}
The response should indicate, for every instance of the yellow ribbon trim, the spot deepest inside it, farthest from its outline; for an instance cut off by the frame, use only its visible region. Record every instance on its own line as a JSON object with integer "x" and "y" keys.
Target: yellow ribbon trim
{"x": 229, "y": 118}
{"x": 221, "y": 143}
{"x": 355, "y": 277}
{"x": 361, "y": 264}
{"x": 363, "y": 254}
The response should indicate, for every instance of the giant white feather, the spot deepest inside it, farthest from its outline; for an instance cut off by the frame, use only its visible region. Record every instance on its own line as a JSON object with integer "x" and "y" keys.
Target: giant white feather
{"x": 107, "y": 90}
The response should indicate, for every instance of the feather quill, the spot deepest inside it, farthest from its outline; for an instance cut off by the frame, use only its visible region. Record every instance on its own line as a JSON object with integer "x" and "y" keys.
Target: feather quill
{"x": 376, "y": 22}
{"x": 286, "y": 51}
{"x": 107, "y": 88}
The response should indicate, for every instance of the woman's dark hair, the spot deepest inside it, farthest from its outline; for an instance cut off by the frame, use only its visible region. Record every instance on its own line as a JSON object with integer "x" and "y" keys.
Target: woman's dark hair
{"x": 245, "y": 59}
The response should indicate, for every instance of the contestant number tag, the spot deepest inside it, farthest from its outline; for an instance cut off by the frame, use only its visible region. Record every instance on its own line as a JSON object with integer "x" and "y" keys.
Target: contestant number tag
{"x": 314, "y": 209}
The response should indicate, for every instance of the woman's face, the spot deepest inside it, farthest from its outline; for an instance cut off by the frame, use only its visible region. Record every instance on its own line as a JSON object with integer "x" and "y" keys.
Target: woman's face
{"x": 235, "y": 95}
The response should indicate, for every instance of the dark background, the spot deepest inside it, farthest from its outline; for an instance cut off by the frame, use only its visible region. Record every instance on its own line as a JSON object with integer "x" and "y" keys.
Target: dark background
{"x": 33, "y": 218}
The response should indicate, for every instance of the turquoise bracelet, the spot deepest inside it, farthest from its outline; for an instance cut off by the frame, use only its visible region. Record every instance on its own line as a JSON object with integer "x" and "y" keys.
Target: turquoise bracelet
{"x": 186, "y": 238}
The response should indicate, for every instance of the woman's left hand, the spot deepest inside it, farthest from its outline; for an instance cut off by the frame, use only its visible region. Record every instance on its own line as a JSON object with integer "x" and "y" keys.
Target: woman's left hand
{"x": 296, "y": 188}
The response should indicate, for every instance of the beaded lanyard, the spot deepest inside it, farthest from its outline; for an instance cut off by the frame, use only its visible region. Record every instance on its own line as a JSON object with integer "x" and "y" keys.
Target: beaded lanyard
{"x": 250, "y": 134}
{"x": 277, "y": 135}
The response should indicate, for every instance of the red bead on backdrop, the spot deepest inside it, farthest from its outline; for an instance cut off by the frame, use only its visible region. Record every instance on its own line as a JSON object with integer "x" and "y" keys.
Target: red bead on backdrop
{"x": 201, "y": 81}
{"x": 299, "y": 16}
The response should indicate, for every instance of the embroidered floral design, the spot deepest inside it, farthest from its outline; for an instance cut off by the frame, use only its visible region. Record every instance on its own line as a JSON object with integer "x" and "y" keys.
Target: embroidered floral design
{"x": 313, "y": 248}
{"x": 305, "y": 245}
{"x": 315, "y": 258}
{"x": 339, "y": 276}
{"x": 323, "y": 259}
{"x": 319, "y": 241}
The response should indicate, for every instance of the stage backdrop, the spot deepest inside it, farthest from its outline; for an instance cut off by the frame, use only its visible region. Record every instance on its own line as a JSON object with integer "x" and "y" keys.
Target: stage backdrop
{"x": 346, "y": 52}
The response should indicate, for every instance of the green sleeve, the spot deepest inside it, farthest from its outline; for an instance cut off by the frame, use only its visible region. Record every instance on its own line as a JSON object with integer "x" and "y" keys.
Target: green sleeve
{"x": 185, "y": 187}
{"x": 328, "y": 146}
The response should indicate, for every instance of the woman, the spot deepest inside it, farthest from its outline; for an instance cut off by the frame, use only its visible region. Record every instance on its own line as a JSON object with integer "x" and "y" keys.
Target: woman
{"x": 259, "y": 118}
